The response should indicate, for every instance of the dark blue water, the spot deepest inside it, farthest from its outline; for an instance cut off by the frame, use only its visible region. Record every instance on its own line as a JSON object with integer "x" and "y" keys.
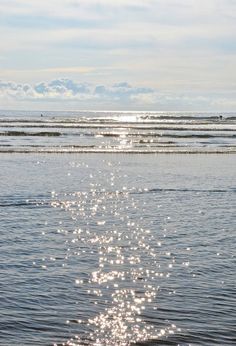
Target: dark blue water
{"x": 117, "y": 250}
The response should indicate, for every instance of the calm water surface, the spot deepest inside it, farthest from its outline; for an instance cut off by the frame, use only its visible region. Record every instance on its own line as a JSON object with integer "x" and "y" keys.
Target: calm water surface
{"x": 115, "y": 250}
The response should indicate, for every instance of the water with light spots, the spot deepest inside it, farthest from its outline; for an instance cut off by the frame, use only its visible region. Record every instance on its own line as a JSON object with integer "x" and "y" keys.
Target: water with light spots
{"x": 117, "y": 250}
{"x": 127, "y": 132}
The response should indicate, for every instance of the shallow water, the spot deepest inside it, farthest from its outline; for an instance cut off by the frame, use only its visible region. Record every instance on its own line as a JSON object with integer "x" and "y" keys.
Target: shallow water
{"x": 125, "y": 132}
{"x": 117, "y": 250}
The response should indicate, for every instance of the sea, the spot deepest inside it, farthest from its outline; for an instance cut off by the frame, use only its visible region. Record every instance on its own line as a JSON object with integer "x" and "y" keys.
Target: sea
{"x": 126, "y": 132}
{"x": 117, "y": 228}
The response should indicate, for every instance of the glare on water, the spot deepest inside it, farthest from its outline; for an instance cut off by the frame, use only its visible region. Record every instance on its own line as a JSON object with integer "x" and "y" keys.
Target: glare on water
{"x": 124, "y": 280}
{"x": 124, "y": 250}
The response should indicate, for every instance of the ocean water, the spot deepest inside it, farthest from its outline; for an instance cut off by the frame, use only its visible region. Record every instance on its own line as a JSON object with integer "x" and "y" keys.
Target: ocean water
{"x": 117, "y": 250}
{"x": 128, "y": 132}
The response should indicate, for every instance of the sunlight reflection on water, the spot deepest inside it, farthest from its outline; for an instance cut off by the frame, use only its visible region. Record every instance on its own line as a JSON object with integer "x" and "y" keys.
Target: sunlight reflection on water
{"x": 123, "y": 250}
{"x": 125, "y": 278}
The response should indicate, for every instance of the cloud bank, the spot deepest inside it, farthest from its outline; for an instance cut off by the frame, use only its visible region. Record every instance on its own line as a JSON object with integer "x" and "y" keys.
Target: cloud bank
{"x": 64, "y": 93}
{"x": 67, "y": 89}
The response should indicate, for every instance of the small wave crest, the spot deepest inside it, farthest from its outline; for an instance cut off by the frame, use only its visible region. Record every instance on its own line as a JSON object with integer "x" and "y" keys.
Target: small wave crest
{"x": 118, "y": 132}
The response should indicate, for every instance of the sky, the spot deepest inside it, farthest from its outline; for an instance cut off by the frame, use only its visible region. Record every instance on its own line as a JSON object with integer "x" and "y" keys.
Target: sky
{"x": 156, "y": 55}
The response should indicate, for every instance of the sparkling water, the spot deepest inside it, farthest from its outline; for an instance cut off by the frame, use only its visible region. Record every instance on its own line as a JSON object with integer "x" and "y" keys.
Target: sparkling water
{"x": 113, "y": 249}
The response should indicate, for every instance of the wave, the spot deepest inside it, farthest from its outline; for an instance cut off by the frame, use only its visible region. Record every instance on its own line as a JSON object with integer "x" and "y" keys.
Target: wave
{"x": 156, "y": 190}
{"x": 173, "y": 127}
{"x": 118, "y": 132}
{"x": 22, "y": 133}
{"x": 154, "y": 134}
{"x": 190, "y": 117}
{"x": 97, "y": 150}
{"x": 23, "y": 204}
{"x": 24, "y": 201}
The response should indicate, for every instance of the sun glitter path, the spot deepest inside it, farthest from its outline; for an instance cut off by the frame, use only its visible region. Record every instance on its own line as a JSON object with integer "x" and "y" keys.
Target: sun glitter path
{"x": 123, "y": 272}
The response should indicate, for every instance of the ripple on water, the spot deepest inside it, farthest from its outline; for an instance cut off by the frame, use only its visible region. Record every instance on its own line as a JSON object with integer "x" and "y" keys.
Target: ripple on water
{"x": 123, "y": 281}
{"x": 104, "y": 260}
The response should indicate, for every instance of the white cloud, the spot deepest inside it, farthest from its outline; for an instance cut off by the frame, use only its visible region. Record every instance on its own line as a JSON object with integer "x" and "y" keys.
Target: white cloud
{"x": 15, "y": 90}
{"x": 66, "y": 90}
{"x": 65, "y": 93}
{"x": 178, "y": 46}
